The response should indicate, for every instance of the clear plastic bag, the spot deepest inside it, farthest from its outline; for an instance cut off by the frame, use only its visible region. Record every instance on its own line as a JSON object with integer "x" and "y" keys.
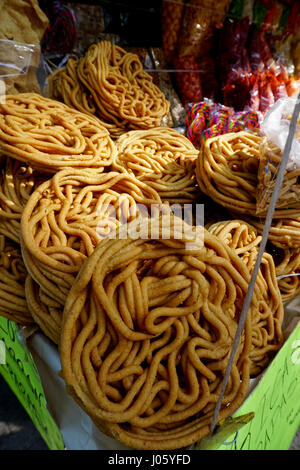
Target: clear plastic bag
{"x": 275, "y": 127}
{"x": 19, "y": 66}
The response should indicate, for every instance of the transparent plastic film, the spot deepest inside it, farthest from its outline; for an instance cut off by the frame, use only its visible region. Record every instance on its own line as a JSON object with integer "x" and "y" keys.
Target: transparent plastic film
{"x": 275, "y": 127}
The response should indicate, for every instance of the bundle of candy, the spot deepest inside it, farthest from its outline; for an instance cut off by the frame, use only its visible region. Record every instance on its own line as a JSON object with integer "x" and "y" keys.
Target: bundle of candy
{"x": 208, "y": 119}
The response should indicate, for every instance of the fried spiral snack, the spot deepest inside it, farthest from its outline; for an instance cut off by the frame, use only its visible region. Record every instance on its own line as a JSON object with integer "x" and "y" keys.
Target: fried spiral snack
{"x": 17, "y": 181}
{"x": 226, "y": 170}
{"x": 124, "y": 94}
{"x": 240, "y": 236}
{"x": 266, "y": 323}
{"x": 287, "y": 265}
{"x": 13, "y": 304}
{"x": 171, "y": 19}
{"x": 162, "y": 158}
{"x": 46, "y": 312}
{"x": 47, "y": 134}
{"x": 289, "y": 194}
{"x": 284, "y": 232}
{"x": 147, "y": 331}
{"x": 67, "y": 216}
{"x": 65, "y": 86}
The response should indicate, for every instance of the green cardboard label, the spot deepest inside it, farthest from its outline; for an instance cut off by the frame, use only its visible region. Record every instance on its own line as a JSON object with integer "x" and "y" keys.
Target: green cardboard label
{"x": 19, "y": 371}
{"x": 275, "y": 402}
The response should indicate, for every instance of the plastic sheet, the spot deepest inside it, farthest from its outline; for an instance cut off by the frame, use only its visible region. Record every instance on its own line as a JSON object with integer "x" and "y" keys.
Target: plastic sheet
{"x": 275, "y": 127}
{"x": 19, "y": 63}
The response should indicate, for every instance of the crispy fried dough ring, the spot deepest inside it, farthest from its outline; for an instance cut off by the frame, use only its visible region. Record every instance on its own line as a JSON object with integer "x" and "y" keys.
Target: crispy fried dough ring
{"x": 284, "y": 232}
{"x": 66, "y": 87}
{"x": 162, "y": 158}
{"x": 66, "y": 217}
{"x": 227, "y": 171}
{"x": 124, "y": 94}
{"x": 287, "y": 265}
{"x": 147, "y": 330}
{"x": 48, "y": 134}
{"x": 267, "y": 337}
{"x": 289, "y": 194}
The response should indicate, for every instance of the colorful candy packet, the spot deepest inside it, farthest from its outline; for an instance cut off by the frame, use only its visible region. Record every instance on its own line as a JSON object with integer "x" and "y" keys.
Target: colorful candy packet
{"x": 208, "y": 119}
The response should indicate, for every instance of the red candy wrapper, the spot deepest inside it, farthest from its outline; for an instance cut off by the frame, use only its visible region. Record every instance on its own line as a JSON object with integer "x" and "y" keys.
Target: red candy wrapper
{"x": 188, "y": 82}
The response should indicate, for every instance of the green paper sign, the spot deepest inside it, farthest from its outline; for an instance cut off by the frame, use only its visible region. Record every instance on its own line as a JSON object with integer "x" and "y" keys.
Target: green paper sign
{"x": 19, "y": 371}
{"x": 275, "y": 403}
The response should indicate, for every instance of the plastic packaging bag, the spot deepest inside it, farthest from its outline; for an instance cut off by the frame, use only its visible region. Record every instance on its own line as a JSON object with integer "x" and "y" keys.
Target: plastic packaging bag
{"x": 275, "y": 127}
{"x": 19, "y": 65}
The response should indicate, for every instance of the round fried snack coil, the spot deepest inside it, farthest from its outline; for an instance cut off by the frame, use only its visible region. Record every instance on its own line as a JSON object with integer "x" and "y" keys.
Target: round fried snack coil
{"x": 227, "y": 171}
{"x": 147, "y": 331}
{"x": 162, "y": 158}
{"x": 17, "y": 181}
{"x": 50, "y": 135}
{"x": 287, "y": 265}
{"x": 284, "y": 232}
{"x": 67, "y": 216}
{"x": 13, "y": 304}
{"x": 124, "y": 94}
{"x": 289, "y": 194}
{"x": 267, "y": 337}
{"x": 65, "y": 86}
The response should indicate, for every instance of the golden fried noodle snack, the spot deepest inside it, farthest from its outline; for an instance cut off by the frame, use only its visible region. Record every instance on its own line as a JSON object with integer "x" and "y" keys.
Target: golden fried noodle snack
{"x": 124, "y": 94}
{"x": 267, "y": 336}
{"x": 66, "y": 217}
{"x": 65, "y": 86}
{"x": 289, "y": 194}
{"x": 284, "y": 232}
{"x": 47, "y": 134}
{"x": 147, "y": 331}
{"x": 46, "y": 312}
{"x": 17, "y": 181}
{"x": 287, "y": 265}
{"x": 226, "y": 170}
{"x": 12, "y": 277}
{"x": 162, "y": 158}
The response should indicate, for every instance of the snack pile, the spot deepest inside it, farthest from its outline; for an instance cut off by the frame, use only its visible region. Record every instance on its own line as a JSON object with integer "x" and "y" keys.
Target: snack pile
{"x": 144, "y": 326}
{"x": 147, "y": 329}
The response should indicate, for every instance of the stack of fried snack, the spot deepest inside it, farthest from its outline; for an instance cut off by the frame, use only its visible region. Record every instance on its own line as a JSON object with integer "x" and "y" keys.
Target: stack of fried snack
{"x": 163, "y": 159}
{"x": 49, "y": 135}
{"x": 289, "y": 195}
{"x": 227, "y": 171}
{"x": 144, "y": 324}
{"x": 110, "y": 83}
{"x": 13, "y": 305}
{"x": 266, "y": 328}
{"x": 62, "y": 223}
